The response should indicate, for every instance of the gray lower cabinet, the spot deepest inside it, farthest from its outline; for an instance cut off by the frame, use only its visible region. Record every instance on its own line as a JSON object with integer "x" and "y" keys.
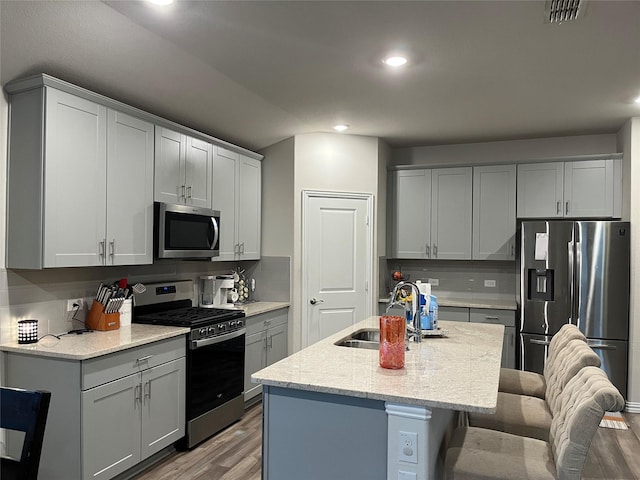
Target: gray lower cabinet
{"x": 107, "y": 413}
{"x": 266, "y": 343}
{"x": 501, "y": 317}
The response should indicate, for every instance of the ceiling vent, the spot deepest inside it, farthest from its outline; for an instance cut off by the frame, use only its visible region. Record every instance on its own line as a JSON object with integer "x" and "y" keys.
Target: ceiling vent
{"x": 558, "y": 11}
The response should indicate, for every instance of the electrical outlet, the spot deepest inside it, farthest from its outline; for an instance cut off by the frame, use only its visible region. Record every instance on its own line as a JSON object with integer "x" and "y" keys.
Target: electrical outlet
{"x": 404, "y": 475}
{"x": 408, "y": 447}
{"x": 77, "y": 301}
{"x": 434, "y": 282}
{"x": 490, "y": 283}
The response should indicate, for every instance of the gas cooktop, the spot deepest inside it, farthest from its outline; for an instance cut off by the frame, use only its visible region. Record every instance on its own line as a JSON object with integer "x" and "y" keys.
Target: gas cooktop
{"x": 189, "y": 316}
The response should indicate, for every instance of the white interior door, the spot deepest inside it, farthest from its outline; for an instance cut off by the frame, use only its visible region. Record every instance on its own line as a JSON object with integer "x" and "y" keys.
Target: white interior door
{"x": 337, "y": 248}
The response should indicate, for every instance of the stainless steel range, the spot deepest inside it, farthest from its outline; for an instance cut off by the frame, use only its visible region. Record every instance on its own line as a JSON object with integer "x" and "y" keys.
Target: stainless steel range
{"x": 215, "y": 355}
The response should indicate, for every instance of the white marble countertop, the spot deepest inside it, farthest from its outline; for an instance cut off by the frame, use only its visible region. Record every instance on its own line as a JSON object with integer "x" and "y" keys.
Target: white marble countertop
{"x": 471, "y": 301}
{"x": 256, "y": 308}
{"x": 95, "y": 344}
{"x": 460, "y": 372}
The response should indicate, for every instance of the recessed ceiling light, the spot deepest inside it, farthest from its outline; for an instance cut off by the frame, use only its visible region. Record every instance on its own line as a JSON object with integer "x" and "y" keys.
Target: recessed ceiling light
{"x": 395, "y": 61}
{"x": 161, "y": 2}
{"x": 340, "y": 127}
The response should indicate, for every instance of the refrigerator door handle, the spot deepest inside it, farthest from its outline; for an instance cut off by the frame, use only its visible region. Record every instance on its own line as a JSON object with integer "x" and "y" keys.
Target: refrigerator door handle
{"x": 570, "y": 276}
{"x": 540, "y": 342}
{"x": 601, "y": 346}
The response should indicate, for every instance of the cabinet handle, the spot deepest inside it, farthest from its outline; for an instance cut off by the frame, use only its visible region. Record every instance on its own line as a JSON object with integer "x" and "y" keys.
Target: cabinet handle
{"x": 102, "y": 244}
{"x": 558, "y": 207}
{"x": 183, "y": 187}
{"x": 428, "y": 251}
{"x": 242, "y": 248}
{"x": 143, "y": 359}
{"x": 265, "y": 343}
{"x": 147, "y": 390}
{"x": 487, "y": 317}
{"x": 236, "y": 249}
{"x": 566, "y": 208}
{"x": 138, "y": 393}
{"x": 189, "y": 192}
{"x": 513, "y": 250}
{"x": 435, "y": 251}
{"x": 112, "y": 248}
{"x": 271, "y": 341}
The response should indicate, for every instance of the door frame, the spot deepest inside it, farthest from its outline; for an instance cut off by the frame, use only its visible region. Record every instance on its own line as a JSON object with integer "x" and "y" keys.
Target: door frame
{"x": 307, "y": 195}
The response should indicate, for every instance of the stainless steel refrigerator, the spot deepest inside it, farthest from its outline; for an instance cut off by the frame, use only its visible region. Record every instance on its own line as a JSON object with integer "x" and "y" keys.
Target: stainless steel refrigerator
{"x": 575, "y": 272}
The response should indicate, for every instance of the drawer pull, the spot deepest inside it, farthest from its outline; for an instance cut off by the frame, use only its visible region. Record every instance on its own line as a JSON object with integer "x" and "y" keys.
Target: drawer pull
{"x": 487, "y": 317}
{"x": 144, "y": 359}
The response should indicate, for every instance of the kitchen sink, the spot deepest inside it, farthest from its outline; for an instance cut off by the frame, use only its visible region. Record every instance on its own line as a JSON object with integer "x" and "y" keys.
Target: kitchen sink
{"x": 368, "y": 338}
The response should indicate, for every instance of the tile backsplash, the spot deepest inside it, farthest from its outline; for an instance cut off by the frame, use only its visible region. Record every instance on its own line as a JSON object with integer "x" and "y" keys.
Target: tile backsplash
{"x": 454, "y": 277}
{"x": 43, "y": 294}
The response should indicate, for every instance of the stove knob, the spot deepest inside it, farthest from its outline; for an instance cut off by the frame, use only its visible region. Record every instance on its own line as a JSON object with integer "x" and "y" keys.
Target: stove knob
{"x": 232, "y": 324}
{"x": 202, "y": 331}
{"x": 211, "y": 330}
{"x": 239, "y": 323}
{"x": 222, "y": 327}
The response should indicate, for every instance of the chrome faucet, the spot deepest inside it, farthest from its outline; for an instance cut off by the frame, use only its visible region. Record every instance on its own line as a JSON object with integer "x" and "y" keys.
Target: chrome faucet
{"x": 416, "y": 335}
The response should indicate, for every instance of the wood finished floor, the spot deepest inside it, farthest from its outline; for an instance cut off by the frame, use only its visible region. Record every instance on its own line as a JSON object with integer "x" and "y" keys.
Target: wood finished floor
{"x": 235, "y": 454}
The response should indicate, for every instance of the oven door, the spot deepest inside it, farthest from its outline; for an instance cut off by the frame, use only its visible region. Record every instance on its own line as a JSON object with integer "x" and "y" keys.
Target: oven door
{"x": 215, "y": 372}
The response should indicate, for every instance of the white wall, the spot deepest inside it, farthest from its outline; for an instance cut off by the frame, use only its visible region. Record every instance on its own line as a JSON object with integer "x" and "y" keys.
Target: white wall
{"x": 505, "y": 152}
{"x": 331, "y": 162}
{"x": 629, "y": 144}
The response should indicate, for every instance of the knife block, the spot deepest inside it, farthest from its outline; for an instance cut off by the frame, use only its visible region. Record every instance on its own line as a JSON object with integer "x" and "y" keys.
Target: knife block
{"x": 98, "y": 320}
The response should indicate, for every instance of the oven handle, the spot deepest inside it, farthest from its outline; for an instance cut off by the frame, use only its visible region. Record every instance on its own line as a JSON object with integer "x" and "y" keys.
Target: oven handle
{"x": 195, "y": 344}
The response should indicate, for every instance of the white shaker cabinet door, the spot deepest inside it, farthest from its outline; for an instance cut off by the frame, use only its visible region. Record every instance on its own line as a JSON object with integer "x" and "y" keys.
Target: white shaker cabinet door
{"x": 129, "y": 190}
{"x": 540, "y": 190}
{"x": 588, "y": 189}
{"x": 451, "y": 211}
{"x": 255, "y": 360}
{"x": 494, "y": 212}
{"x": 410, "y": 233}
{"x": 198, "y": 173}
{"x": 170, "y": 152}
{"x": 111, "y": 428}
{"x": 224, "y": 199}
{"x": 75, "y": 179}
{"x": 249, "y": 208}
{"x": 163, "y": 406}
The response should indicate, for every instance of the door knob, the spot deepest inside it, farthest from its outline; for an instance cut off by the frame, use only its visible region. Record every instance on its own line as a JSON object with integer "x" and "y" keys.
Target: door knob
{"x": 313, "y": 301}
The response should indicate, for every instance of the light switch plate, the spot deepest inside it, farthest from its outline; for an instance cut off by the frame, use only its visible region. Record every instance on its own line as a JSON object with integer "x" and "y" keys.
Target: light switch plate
{"x": 490, "y": 283}
{"x": 434, "y": 282}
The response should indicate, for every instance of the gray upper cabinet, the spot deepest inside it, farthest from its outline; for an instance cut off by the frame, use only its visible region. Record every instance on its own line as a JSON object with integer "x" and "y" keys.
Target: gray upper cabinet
{"x": 79, "y": 177}
{"x": 494, "y": 212}
{"x": 410, "y": 222}
{"x": 183, "y": 169}
{"x": 237, "y": 195}
{"x": 431, "y": 213}
{"x": 575, "y": 189}
{"x": 451, "y": 211}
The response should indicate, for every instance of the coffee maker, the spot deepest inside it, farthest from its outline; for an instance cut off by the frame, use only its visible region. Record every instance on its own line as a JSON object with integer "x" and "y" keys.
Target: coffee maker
{"x": 217, "y": 291}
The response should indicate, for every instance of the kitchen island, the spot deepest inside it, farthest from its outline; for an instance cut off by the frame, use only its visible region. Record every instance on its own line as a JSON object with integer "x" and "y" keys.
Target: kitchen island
{"x": 332, "y": 412}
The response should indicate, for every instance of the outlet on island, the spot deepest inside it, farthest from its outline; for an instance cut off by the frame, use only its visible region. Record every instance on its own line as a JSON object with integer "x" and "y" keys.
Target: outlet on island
{"x": 434, "y": 282}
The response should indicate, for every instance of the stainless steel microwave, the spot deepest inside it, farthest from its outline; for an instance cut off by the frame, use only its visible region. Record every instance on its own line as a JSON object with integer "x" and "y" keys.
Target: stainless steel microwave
{"x": 183, "y": 231}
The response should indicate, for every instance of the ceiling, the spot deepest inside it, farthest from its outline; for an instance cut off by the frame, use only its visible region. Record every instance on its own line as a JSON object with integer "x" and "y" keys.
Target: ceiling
{"x": 256, "y": 72}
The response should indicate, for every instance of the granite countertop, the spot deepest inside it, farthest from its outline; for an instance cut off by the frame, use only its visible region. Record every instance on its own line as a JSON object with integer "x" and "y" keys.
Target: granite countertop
{"x": 95, "y": 344}
{"x": 460, "y": 372}
{"x": 256, "y": 308}
{"x": 471, "y": 301}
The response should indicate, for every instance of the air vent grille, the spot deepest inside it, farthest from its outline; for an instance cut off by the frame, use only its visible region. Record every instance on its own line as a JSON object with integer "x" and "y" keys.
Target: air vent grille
{"x": 558, "y": 11}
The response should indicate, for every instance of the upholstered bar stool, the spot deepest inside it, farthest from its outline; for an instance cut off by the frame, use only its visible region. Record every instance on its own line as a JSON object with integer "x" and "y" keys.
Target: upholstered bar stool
{"x": 531, "y": 416}
{"x": 477, "y": 453}
{"x": 533, "y": 384}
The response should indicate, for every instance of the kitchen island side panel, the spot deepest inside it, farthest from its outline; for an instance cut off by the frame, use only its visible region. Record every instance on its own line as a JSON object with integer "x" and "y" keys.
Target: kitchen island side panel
{"x": 61, "y": 449}
{"x": 317, "y": 436}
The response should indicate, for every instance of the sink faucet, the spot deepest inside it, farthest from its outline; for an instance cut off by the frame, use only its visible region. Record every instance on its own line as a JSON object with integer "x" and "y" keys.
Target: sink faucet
{"x": 415, "y": 308}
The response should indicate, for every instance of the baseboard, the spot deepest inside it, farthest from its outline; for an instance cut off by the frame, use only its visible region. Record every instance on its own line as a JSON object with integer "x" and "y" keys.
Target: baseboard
{"x": 632, "y": 407}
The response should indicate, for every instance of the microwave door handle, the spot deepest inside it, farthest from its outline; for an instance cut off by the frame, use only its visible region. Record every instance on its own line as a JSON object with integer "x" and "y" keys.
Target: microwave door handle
{"x": 216, "y": 233}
